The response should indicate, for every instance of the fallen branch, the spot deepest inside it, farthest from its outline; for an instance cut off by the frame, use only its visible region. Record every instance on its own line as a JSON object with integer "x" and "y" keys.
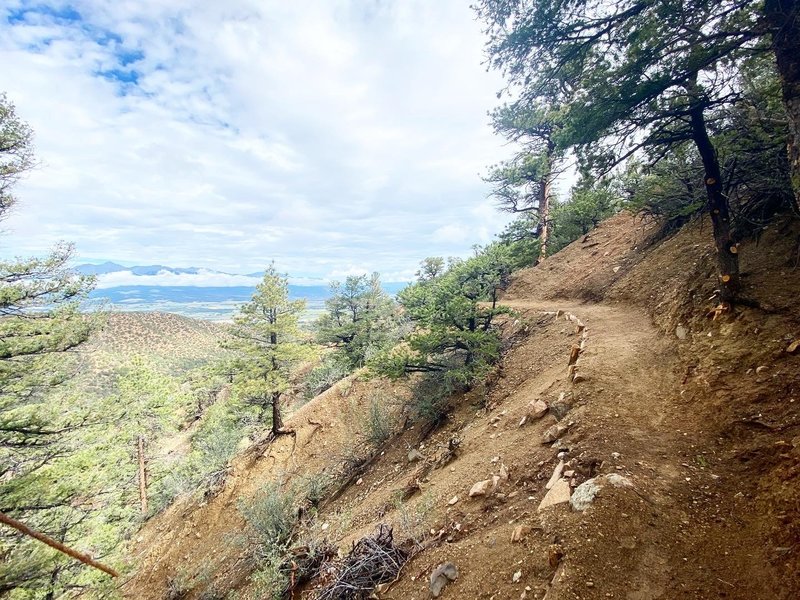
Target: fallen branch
{"x": 84, "y": 558}
{"x": 372, "y": 561}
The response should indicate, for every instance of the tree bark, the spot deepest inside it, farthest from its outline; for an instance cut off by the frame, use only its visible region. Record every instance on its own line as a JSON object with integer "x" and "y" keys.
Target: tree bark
{"x": 718, "y": 207}
{"x": 142, "y": 476}
{"x": 84, "y": 558}
{"x": 546, "y": 188}
{"x": 277, "y": 422}
{"x": 544, "y": 216}
{"x": 783, "y": 19}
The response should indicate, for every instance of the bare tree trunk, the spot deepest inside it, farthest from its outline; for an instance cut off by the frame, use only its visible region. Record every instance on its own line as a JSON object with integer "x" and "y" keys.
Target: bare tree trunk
{"x": 544, "y": 216}
{"x": 277, "y": 422}
{"x": 727, "y": 251}
{"x": 142, "y": 476}
{"x": 783, "y": 18}
{"x": 84, "y": 558}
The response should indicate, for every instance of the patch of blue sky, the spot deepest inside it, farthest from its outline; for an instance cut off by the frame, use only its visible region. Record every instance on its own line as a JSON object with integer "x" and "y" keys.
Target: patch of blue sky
{"x": 125, "y": 77}
{"x": 29, "y": 11}
{"x": 68, "y": 17}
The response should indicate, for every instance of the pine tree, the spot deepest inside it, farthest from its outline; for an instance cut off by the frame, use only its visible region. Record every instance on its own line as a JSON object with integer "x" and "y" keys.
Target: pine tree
{"x": 266, "y": 335}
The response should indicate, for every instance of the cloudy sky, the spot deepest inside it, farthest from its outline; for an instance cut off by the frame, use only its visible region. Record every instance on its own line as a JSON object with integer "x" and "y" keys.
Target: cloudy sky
{"x": 333, "y": 136}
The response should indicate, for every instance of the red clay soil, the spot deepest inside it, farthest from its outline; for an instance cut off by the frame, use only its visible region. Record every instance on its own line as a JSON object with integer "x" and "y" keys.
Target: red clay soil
{"x": 700, "y": 417}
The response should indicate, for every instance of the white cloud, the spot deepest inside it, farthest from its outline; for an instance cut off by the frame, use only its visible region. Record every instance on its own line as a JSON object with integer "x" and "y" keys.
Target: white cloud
{"x": 203, "y": 278}
{"x": 322, "y": 134}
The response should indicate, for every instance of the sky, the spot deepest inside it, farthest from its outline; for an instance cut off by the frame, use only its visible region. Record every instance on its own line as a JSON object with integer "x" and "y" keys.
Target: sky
{"x": 334, "y": 137}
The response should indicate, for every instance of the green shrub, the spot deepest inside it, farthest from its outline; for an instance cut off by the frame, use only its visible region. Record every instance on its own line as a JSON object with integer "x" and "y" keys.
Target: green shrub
{"x": 330, "y": 371}
{"x": 315, "y": 487}
{"x": 379, "y": 422}
{"x": 272, "y": 515}
{"x": 431, "y": 398}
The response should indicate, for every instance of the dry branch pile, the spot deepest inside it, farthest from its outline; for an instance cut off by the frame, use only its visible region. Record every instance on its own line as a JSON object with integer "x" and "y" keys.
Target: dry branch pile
{"x": 373, "y": 560}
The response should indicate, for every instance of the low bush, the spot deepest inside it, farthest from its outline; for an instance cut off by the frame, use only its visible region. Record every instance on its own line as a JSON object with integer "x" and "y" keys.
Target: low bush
{"x": 272, "y": 516}
{"x": 379, "y": 422}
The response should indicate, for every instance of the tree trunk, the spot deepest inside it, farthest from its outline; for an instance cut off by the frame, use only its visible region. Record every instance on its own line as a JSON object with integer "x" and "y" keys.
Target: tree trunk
{"x": 84, "y": 558}
{"x": 783, "y": 18}
{"x": 544, "y": 216}
{"x": 727, "y": 252}
{"x": 277, "y": 423}
{"x": 142, "y": 476}
{"x": 545, "y": 189}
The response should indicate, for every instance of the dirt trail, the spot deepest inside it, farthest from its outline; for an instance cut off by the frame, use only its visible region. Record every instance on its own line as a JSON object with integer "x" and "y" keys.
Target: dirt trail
{"x": 661, "y": 538}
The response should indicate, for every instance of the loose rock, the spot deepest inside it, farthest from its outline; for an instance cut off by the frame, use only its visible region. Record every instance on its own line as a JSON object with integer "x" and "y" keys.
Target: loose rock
{"x": 537, "y": 409}
{"x": 555, "y": 476}
{"x": 560, "y": 408}
{"x": 559, "y": 494}
{"x": 414, "y": 455}
{"x": 481, "y": 488}
{"x": 584, "y": 494}
{"x": 520, "y": 533}
{"x": 554, "y": 432}
{"x": 441, "y": 576}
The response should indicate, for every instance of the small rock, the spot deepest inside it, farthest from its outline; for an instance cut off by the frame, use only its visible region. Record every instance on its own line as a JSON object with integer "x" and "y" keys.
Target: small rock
{"x": 559, "y": 494}
{"x": 360, "y": 481}
{"x": 554, "y": 432}
{"x": 441, "y": 576}
{"x": 793, "y": 347}
{"x": 520, "y": 533}
{"x": 537, "y": 409}
{"x": 585, "y": 494}
{"x": 760, "y": 369}
{"x": 516, "y": 576}
{"x": 616, "y": 269}
{"x": 325, "y": 526}
{"x": 481, "y": 488}
{"x": 554, "y": 555}
{"x": 578, "y": 378}
{"x": 619, "y": 481}
{"x": 414, "y": 455}
{"x": 555, "y": 476}
{"x": 681, "y": 332}
{"x": 495, "y": 483}
{"x": 452, "y": 501}
{"x": 504, "y": 473}
{"x": 560, "y": 408}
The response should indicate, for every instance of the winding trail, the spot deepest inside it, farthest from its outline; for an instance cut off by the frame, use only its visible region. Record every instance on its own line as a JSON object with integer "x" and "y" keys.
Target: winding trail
{"x": 671, "y": 543}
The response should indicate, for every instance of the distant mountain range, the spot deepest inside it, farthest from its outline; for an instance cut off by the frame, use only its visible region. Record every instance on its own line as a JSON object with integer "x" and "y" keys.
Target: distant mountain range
{"x": 111, "y": 267}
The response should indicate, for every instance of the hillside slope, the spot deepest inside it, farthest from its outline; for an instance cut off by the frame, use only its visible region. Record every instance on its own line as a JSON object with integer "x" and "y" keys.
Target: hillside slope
{"x": 688, "y": 426}
{"x": 172, "y": 343}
